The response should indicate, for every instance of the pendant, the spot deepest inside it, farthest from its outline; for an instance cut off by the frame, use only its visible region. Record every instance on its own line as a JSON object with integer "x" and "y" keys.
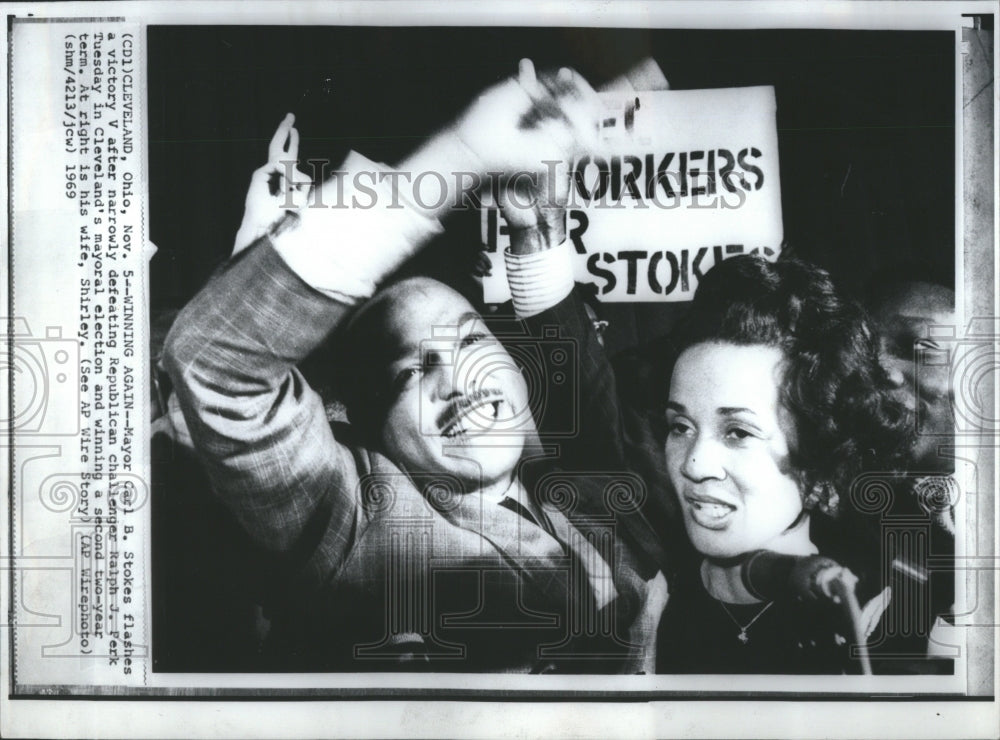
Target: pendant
{"x": 742, "y": 637}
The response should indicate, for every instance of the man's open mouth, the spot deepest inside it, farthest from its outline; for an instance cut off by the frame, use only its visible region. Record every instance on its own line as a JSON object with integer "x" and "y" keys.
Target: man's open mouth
{"x": 470, "y": 419}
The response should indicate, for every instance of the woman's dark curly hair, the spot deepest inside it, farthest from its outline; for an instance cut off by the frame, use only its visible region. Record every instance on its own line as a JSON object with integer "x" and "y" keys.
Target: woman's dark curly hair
{"x": 837, "y": 392}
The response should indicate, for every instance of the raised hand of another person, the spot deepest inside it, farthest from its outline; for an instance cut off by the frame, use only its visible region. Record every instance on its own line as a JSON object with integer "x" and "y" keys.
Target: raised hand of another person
{"x": 509, "y": 128}
{"x": 275, "y": 187}
{"x": 534, "y": 203}
{"x": 525, "y": 121}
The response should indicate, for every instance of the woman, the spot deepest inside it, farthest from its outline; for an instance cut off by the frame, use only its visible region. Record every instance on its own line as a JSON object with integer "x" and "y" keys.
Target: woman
{"x": 776, "y": 403}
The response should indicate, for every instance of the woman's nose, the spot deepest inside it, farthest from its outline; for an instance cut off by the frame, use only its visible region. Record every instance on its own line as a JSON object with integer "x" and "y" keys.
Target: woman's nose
{"x": 703, "y": 461}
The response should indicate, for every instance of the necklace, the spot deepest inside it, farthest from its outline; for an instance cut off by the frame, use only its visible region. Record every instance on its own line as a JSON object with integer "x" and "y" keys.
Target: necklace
{"x": 742, "y": 636}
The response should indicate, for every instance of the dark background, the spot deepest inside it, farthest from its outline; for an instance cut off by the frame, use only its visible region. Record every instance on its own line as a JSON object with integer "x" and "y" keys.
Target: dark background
{"x": 865, "y": 127}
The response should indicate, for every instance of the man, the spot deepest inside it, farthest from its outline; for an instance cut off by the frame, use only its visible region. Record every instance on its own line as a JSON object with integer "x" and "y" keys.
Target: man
{"x": 411, "y": 533}
{"x": 916, "y": 529}
{"x": 904, "y": 308}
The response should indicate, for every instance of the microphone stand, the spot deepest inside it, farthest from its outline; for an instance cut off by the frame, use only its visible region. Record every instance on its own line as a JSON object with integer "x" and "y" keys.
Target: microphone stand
{"x": 849, "y": 599}
{"x": 770, "y": 575}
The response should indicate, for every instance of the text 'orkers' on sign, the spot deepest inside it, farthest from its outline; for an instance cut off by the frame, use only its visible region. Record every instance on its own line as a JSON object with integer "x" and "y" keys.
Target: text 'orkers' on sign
{"x": 687, "y": 178}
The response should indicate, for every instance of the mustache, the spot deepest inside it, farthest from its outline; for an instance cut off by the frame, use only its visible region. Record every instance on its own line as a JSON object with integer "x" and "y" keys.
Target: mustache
{"x": 465, "y": 402}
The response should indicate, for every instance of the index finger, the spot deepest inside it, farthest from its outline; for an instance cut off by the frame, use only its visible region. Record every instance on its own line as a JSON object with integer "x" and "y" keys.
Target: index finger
{"x": 579, "y": 104}
{"x": 528, "y": 80}
{"x": 276, "y": 148}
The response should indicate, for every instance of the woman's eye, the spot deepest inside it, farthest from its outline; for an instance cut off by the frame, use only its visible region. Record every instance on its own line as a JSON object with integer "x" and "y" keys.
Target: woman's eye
{"x": 738, "y": 433}
{"x": 677, "y": 427}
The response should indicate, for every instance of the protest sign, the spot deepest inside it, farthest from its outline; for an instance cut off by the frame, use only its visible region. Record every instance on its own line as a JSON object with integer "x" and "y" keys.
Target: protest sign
{"x": 688, "y": 178}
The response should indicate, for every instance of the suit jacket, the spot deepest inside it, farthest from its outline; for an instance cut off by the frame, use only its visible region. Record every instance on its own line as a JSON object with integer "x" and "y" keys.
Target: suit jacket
{"x": 370, "y": 567}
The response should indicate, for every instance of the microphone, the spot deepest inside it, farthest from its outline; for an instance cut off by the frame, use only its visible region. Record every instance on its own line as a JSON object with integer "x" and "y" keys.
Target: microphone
{"x": 773, "y": 576}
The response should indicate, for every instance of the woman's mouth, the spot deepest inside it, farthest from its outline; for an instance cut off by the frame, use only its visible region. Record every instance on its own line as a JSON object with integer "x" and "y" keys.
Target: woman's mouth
{"x": 708, "y": 511}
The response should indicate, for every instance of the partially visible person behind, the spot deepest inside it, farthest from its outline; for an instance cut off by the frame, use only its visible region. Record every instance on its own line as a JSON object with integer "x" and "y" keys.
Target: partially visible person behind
{"x": 777, "y": 402}
{"x": 912, "y": 309}
{"x": 905, "y": 306}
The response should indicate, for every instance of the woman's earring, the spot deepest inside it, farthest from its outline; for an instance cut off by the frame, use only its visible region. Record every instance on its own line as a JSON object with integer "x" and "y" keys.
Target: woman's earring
{"x": 832, "y": 504}
{"x": 822, "y": 496}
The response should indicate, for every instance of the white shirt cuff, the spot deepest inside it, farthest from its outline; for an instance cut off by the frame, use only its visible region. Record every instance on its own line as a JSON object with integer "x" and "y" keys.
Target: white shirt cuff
{"x": 540, "y": 280}
{"x": 360, "y": 234}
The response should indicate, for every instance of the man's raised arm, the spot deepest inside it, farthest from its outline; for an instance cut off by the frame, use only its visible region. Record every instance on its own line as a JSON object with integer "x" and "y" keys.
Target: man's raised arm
{"x": 260, "y": 430}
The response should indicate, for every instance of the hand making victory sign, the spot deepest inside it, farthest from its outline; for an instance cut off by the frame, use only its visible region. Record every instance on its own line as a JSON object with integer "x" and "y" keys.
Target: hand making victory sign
{"x": 272, "y": 186}
{"x": 530, "y": 127}
{"x": 534, "y": 204}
